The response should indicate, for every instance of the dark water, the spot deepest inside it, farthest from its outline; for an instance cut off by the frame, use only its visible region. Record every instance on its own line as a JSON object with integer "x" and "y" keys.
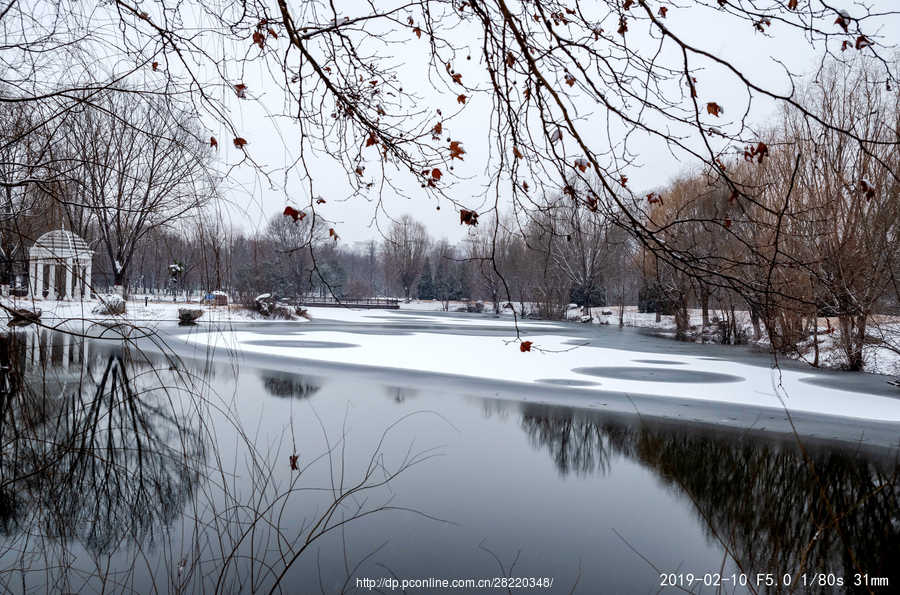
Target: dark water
{"x": 124, "y": 470}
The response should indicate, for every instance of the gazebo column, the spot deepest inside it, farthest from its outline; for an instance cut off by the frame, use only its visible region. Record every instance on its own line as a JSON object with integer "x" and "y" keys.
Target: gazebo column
{"x": 39, "y": 279}
{"x": 32, "y": 278}
{"x": 76, "y": 278}
{"x": 87, "y": 278}
{"x": 67, "y": 292}
{"x": 51, "y": 281}
{"x": 81, "y": 280}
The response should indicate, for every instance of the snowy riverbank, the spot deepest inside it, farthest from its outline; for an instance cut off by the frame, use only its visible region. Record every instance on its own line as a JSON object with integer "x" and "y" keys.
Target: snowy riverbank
{"x": 150, "y": 314}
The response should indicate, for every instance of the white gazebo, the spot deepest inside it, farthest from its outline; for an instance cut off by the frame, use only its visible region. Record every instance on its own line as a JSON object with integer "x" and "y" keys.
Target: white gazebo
{"x": 60, "y": 248}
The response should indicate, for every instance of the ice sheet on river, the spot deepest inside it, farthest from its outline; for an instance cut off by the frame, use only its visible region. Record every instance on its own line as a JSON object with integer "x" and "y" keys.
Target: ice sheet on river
{"x": 559, "y": 365}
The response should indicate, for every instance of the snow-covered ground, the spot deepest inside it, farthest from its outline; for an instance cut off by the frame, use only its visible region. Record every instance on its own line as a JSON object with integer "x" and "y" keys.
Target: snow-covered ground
{"x": 136, "y": 312}
{"x": 553, "y": 360}
{"x": 459, "y": 320}
{"x": 879, "y": 359}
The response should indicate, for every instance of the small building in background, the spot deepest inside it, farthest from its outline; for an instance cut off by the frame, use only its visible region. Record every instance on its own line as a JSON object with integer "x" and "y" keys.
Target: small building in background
{"x": 217, "y": 298}
{"x": 65, "y": 253}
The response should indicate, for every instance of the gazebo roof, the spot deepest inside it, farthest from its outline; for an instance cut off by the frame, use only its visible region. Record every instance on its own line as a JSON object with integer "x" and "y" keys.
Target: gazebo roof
{"x": 60, "y": 243}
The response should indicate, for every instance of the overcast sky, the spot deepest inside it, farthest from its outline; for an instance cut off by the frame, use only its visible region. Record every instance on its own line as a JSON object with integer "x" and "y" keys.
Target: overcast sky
{"x": 274, "y": 143}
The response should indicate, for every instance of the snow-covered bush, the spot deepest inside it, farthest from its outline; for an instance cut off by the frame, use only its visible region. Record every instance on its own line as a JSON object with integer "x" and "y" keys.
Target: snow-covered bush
{"x": 189, "y": 315}
{"x": 110, "y": 304}
{"x": 264, "y": 303}
{"x": 475, "y": 307}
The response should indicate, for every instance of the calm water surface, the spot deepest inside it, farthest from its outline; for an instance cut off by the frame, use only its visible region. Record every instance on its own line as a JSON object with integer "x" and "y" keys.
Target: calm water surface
{"x": 126, "y": 470}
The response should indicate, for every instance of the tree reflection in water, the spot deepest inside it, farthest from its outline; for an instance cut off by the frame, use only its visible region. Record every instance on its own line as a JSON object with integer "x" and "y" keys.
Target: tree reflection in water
{"x": 576, "y": 444}
{"x": 114, "y": 474}
{"x": 93, "y": 451}
{"x": 289, "y": 386}
{"x": 774, "y": 507}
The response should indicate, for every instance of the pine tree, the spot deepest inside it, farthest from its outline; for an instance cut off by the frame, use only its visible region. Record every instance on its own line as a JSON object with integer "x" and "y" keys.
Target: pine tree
{"x": 426, "y": 283}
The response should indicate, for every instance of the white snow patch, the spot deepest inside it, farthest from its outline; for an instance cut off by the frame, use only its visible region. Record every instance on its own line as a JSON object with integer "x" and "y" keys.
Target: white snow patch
{"x": 501, "y": 359}
{"x": 461, "y": 320}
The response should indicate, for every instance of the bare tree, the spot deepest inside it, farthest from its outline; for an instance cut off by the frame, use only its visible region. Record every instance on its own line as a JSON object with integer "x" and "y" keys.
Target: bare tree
{"x": 446, "y": 282}
{"x": 848, "y": 197}
{"x": 485, "y": 249}
{"x": 404, "y": 251}
{"x": 581, "y": 250}
{"x": 133, "y": 167}
{"x": 542, "y": 66}
{"x": 290, "y": 260}
{"x": 550, "y": 286}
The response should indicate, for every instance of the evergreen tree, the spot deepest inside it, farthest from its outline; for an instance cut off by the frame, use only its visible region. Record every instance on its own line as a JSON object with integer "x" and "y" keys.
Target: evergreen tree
{"x": 426, "y": 283}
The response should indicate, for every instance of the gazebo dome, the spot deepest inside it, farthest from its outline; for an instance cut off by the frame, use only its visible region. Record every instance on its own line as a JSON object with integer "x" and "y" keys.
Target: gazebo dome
{"x": 60, "y": 243}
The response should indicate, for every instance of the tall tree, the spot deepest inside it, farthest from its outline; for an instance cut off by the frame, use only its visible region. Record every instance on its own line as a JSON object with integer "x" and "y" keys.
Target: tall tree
{"x": 133, "y": 165}
{"x": 404, "y": 252}
{"x": 659, "y": 71}
{"x": 426, "y": 282}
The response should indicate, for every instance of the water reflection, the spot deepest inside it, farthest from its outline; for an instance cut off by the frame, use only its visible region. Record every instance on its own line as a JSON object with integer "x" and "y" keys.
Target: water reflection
{"x": 399, "y": 394}
{"x": 98, "y": 452}
{"x": 773, "y": 506}
{"x": 93, "y": 449}
{"x": 290, "y": 386}
{"x": 575, "y": 443}
{"x": 105, "y": 478}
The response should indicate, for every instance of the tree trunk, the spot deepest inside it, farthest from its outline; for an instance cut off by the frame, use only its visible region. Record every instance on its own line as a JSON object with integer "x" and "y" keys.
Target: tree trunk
{"x": 621, "y": 305}
{"x": 704, "y": 303}
{"x": 816, "y": 338}
{"x": 120, "y": 280}
{"x": 859, "y": 343}
{"x": 682, "y": 318}
{"x": 853, "y": 334}
{"x": 754, "y": 320}
{"x": 735, "y": 338}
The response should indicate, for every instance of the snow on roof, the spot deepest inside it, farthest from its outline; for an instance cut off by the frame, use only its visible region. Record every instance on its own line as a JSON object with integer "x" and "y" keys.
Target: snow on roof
{"x": 60, "y": 243}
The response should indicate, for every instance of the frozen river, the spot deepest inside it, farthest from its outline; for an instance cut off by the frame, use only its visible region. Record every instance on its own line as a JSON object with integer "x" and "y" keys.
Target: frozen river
{"x": 623, "y": 370}
{"x": 601, "y": 468}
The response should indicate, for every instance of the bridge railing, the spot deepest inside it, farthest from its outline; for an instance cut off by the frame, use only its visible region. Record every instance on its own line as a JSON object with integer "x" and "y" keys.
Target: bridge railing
{"x": 392, "y": 303}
